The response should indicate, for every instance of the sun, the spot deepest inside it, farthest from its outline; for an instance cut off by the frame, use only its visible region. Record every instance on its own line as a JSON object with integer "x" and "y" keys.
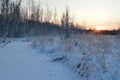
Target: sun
{"x": 99, "y": 28}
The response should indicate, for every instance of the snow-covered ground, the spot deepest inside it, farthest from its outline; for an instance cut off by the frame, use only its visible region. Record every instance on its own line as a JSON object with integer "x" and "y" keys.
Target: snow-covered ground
{"x": 19, "y": 61}
{"x": 79, "y": 57}
{"x": 91, "y": 57}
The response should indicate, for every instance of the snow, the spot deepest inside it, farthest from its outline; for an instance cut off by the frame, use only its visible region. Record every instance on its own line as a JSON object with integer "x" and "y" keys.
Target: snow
{"x": 79, "y": 57}
{"x": 91, "y": 57}
{"x": 18, "y": 61}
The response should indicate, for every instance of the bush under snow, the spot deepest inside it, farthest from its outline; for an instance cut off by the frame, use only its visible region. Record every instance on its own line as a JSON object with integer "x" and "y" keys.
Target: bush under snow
{"x": 92, "y": 57}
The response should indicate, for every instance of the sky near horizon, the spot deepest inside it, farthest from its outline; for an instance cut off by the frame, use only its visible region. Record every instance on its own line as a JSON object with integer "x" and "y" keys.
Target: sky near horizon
{"x": 92, "y": 12}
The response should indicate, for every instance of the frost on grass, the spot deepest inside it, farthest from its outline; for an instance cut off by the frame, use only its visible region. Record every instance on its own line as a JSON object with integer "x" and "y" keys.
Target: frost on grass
{"x": 92, "y": 57}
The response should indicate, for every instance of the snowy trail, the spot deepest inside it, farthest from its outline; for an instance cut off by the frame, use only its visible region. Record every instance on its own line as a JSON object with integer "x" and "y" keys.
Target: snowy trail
{"x": 19, "y": 62}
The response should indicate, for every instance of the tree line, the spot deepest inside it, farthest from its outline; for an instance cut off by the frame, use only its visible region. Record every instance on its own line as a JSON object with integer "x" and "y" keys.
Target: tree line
{"x": 17, "y": 20}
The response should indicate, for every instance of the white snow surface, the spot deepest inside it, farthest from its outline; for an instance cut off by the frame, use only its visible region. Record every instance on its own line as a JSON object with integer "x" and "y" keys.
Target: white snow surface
{"x": 79, "y": 57}
{"x": 19, "y": 61}
{"x": 91, "y": 57}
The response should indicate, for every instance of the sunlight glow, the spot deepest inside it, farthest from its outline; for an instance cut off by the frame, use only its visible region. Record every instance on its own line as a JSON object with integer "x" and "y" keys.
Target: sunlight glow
{"x": 99, "y": 27}
{"x": 93, "y": 12}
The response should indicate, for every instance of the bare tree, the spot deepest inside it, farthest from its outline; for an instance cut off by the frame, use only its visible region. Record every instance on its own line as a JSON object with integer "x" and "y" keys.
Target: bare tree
{"x": 38, "y": 7}
{"x": 29, "y": 9}
{"x": 55, "y": 16}
{"x": 33, "y": 10}
{"x": 5, "y": 13}
{"x": 65, "y": 21}
{"x": 37, "y": 14}
{"x": 41, "y": 15}
{"x": 48, "y": 15}
{"x": 15, "y": 17}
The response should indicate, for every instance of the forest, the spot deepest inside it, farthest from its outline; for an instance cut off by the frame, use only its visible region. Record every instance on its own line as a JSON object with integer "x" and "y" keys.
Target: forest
{"x": 16, "y": 21}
